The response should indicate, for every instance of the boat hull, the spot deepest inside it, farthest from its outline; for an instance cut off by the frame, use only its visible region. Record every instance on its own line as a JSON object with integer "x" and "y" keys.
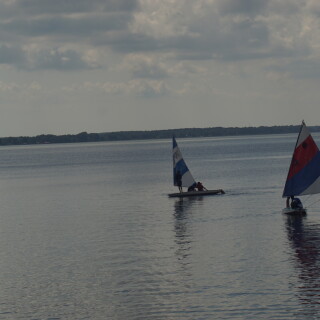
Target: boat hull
{"x": 294, "y": 212}
{"x": 196, "y": 193}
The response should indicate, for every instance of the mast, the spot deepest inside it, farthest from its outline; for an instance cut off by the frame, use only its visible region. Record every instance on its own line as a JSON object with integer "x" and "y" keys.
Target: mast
{"x": 292, "y": 158}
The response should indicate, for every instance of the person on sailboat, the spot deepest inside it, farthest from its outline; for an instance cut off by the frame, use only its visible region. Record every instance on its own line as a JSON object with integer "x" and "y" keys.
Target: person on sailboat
{"x": 178, "y": 178}
{"x": 200, "y": 186}
{"x": 288, "y": 202}
{"x": 192, "y": 187}
{"x": 296, "y": 203}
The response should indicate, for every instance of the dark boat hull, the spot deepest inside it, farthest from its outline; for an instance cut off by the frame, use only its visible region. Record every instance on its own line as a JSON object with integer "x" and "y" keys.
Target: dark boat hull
{"x": 294, "y": 212}
{"x": 196, "y": 193}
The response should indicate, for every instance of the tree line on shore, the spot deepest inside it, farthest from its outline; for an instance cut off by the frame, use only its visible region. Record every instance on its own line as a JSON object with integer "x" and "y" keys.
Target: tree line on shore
{"x": 153, "y": 134}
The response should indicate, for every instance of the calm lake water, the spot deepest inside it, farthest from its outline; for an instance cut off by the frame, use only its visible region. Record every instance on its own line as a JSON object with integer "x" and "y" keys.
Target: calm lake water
{"x": 87, "y": 231}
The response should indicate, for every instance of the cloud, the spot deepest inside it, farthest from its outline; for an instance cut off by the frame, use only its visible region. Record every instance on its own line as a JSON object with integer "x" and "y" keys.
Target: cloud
{"x": 41, "y": 7}
{"x": 66, "y": 26}
{"x": 298, "y": 68}
{"x": 18, "y": 89}
{"x": 46, "y": 34}
{"x": 225, "y": 31}
{"x": 11, "y": 55}
{"x": 144, "y": 66}
{"x": 314, "y": 7}
{"x": 149, "y": 89}
{"x": 49, "y": 27}
{"x": 199, "y": 31}
{"x": 246, "y": 7}
{"x": 60, "y": 60}
{"x": 139, "y": 87}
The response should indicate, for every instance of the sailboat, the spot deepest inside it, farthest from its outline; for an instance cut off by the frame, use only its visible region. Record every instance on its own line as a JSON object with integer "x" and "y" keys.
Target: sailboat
{"x": 304, "y": 172}
{"x": 182, "y": 176}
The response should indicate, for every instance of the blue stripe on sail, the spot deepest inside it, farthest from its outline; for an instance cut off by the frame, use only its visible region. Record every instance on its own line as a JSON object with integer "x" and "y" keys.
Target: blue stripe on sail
{"x": 304, "y": 178}
{"x": 180, "y": 166}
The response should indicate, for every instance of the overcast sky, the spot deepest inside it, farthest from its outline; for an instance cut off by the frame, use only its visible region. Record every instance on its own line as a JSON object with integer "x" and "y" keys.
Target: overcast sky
{"x": 68, "y": 66}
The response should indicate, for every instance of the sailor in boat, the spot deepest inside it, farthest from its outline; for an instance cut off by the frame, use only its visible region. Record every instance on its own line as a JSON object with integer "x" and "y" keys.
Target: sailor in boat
{"x": 295, "y": 203}
{"x": 178, "y": 178}
{"x": 200, "y": 186}
{"x": 192, "y": 187}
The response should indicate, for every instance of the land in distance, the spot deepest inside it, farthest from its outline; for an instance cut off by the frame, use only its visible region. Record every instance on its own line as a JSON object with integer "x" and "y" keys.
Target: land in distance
{"x": 152, "y": 134}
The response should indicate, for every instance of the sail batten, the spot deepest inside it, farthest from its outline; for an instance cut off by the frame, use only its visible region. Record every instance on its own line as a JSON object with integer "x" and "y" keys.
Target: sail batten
{"x": 304, "y": 171}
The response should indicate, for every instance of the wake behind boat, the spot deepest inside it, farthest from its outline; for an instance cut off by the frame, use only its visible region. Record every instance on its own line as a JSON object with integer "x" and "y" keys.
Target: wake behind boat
{"x": 182, "y": 177}
{"x": 304, "y": 172}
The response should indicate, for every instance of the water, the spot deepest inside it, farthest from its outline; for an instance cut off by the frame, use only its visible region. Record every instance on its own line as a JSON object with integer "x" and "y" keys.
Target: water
{"x": 87, "y": 231}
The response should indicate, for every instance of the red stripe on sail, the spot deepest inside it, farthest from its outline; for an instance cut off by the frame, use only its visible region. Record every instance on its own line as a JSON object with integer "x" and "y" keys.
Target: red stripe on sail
{"x": 303, "y": 154}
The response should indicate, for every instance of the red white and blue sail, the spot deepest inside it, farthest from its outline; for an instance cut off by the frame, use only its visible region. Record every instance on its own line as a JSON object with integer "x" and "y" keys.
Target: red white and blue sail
{"x": 180, "y": 167}
{"x": 304, "y": 172}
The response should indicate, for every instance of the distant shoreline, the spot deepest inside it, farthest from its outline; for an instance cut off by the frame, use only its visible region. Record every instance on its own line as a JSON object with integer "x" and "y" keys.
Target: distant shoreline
{"x": 152, "y": 134}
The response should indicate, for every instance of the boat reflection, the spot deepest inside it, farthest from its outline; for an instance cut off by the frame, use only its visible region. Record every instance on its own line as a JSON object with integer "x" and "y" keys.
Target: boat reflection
{"x": 183, "y": 227}
{"x": 305, "y": 241}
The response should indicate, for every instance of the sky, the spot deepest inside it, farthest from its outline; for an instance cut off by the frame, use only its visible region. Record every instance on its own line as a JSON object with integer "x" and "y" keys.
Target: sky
{"x": 68, "y": 66}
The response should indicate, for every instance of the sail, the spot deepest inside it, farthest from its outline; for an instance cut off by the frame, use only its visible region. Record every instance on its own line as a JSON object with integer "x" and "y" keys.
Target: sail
{"x": 304, "y": 172}
{"x": 180, "y": 167}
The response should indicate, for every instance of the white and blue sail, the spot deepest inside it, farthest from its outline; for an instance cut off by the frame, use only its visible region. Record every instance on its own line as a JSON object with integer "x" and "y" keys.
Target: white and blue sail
{"x": 180, "y": 168}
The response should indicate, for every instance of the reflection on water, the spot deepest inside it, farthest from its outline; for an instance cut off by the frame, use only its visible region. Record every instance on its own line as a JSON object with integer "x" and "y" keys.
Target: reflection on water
{"x": 183, "y": 238}
{"x": 183, "y": 213}
{"x": 305, "y": 241}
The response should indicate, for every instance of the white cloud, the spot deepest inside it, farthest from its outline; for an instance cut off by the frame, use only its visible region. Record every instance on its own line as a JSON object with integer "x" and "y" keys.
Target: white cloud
{"x": 140, "y": 87}
{"x": 12, "y": 87}
{"x": 146, "y": 66}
